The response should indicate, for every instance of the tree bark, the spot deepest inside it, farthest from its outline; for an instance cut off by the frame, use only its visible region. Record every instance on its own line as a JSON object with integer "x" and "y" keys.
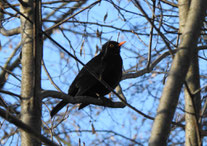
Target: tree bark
{"x": 192, "y": 102}
{"x": 177, "y": 74}
{"x": 31, "y": 69}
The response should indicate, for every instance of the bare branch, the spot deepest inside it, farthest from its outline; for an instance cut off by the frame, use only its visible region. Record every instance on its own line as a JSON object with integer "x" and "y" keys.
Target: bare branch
{"x": 12, "y": 119}
{"x": 82, "y": 99}
{"x": 61, "y": 22}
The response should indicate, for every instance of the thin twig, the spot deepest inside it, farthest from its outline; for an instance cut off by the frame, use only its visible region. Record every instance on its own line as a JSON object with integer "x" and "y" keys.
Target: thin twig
{"x": 10, "y": 93}
{"x": 12, "y": 119}
{"x": 49, "y": 77}
{"x": 166, "y": 41}
{"x": 151, "y": 36}
{"x": 65, "y": 20}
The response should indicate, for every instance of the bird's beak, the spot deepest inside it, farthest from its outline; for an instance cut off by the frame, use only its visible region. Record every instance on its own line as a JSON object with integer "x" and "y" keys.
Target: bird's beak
{"x": 121, "y": 43}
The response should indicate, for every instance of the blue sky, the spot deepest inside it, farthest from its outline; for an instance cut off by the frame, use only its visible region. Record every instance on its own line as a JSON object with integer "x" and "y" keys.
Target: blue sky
{"x": 142, "y": 92}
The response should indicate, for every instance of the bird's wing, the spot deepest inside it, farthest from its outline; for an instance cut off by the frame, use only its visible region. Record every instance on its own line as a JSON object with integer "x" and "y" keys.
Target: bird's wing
{"x": 84, "y": 80}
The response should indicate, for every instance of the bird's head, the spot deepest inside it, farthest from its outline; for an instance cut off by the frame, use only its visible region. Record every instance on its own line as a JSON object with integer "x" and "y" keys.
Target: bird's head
{"x": 111, "y": 48}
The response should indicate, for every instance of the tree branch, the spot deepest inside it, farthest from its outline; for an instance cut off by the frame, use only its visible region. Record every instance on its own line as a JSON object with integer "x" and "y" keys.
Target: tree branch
{"x": 82, "y": 99}
{"x": 12, "y": 119}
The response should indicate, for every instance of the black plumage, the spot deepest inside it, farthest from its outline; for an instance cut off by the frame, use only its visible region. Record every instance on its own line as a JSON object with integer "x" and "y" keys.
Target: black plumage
{"x": 107, "y": 65}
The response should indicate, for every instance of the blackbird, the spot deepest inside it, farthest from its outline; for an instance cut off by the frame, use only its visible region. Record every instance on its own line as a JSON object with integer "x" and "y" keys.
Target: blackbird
{"x": 107, "y": 65}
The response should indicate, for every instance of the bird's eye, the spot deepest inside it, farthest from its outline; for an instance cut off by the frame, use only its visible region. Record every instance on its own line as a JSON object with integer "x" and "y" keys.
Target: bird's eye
{"x": 111, "y": 45}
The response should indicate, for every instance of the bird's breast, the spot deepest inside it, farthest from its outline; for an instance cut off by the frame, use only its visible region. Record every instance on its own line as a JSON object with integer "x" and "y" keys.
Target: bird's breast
{"x": 112, "y": 71}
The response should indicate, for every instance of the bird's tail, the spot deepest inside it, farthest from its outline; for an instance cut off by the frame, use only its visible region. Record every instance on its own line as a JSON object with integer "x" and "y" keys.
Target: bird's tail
{"x": 58, "y": 107}
{"x": 82, "y": 106}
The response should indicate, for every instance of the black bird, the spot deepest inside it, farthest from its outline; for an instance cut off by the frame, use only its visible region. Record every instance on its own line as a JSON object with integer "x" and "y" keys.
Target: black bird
{"x": 107, "y": 65}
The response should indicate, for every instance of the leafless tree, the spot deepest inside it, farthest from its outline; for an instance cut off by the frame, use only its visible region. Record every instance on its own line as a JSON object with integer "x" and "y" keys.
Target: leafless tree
{"x": 161, "y": 99}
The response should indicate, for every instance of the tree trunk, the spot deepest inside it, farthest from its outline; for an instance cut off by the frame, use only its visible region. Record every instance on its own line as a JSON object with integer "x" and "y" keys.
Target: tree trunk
{"x": 177, "y": 74}
{"x": 192, "y": 102}
{"x": 31, "y": 69}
